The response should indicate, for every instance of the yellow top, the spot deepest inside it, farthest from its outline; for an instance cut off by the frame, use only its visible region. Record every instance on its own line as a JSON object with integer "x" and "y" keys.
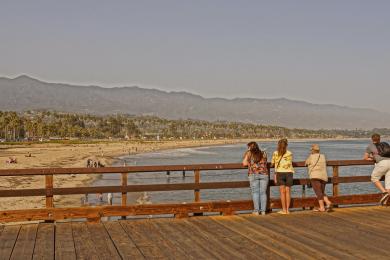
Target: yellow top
{"x": 285, "y": 164}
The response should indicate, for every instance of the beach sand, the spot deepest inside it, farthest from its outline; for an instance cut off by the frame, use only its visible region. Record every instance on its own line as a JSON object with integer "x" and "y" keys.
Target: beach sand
{"x": 73, "y": 155}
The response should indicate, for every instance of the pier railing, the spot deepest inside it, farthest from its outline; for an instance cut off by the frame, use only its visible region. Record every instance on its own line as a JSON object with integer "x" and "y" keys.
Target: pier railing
{"x": 227, "y": 207}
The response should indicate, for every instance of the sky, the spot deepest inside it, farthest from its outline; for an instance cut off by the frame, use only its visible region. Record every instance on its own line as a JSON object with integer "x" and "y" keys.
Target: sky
{"x": 328, "y": 52}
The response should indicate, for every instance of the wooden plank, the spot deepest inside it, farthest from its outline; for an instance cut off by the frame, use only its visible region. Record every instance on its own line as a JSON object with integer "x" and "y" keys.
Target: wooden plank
{"x": 342, "y": 234}
{"x": 22, "y": 192}
{"x": 159, "y": 187}
{"x": 159, "y": 209}
{"x": 172, "y": 231}
{"x": 298, "y": 241}
{"x": 84, "y": 244}
{"x": 374, "y": 219}
{"x": 289, "y": 226}
{"x": 209, "y": 242}
{"x": 161, "y": 168}
{"x": 125, "y": 246}
{"x": 102, "y": 241}
{"x": 280, "y": 247}
{"x": 148, "y": 240}
{"x": 24, "y": 246}
{"x": 101, "y": 211}
{"x": 64, "y": 244}
{"x": 234, "y": 240}
{"x": 8, "y": 238}
{"x": 169, "y": 249}
{"x": 44, "y": 244}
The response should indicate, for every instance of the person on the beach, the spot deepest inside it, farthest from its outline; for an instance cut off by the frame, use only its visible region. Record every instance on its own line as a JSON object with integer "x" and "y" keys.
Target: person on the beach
{"x": 282, "y": 160}
{"x": 316, "y": 163}
{"x": 379, "y": 152}
{"x": 256, "y": 161}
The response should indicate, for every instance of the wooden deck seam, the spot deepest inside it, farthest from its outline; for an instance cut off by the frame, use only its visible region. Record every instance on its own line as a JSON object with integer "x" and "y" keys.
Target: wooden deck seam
{"x": 14, "y": 242}
{"x": 124, "y": 229}
{"x": 116, "y": 247}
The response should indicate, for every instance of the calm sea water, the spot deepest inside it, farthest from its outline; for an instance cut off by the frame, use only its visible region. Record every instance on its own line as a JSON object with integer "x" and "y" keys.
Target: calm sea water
{"x": 334, "y": 150}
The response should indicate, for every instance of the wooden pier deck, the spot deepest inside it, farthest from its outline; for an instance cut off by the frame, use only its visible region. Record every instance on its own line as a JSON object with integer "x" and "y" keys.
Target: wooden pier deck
{"x": 347, "y": 233}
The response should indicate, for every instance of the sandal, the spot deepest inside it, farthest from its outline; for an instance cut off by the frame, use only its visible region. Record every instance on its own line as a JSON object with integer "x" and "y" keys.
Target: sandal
{"x": 318, "y": 210}
{"x": 329, "y": 208}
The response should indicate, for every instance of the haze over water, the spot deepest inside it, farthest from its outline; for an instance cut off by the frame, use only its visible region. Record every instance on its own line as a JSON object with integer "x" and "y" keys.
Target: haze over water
{"x": 334, "y": 150}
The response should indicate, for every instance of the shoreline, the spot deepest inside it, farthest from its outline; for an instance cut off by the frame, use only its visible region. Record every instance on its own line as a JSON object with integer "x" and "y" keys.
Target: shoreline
{"x": 73, "y": 155}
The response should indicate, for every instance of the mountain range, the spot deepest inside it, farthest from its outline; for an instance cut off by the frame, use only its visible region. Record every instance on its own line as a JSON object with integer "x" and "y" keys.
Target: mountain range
{"x": 26, "y": 93}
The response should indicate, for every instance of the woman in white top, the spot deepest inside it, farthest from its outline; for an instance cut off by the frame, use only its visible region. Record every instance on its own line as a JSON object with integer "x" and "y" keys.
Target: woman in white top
{"x": 316, "y": 164}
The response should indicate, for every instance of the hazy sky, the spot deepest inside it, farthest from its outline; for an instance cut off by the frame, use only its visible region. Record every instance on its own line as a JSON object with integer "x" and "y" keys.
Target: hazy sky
{"x": 318, "y": 51}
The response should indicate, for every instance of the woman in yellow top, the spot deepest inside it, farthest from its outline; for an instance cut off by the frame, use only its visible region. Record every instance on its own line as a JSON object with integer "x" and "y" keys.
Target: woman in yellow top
{"x": 282, "y": 160}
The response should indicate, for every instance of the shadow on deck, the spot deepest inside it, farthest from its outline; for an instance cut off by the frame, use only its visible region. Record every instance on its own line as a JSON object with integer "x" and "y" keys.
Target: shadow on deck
{"x": 344, "y": 234}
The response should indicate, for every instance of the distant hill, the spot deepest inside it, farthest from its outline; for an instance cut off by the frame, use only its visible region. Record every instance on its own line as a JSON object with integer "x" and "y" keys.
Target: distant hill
{"x": 25, "y": 93}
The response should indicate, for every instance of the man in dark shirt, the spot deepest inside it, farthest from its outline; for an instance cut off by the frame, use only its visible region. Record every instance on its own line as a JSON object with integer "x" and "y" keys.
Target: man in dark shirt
{"x": 382, "y": 168}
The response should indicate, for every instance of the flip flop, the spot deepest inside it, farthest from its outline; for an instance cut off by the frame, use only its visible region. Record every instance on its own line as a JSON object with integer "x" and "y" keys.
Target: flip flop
{"x": 329, "y": 208}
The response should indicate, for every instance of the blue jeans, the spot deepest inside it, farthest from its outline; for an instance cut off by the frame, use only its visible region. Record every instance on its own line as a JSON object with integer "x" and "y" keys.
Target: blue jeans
{"x": 259, "y": 184}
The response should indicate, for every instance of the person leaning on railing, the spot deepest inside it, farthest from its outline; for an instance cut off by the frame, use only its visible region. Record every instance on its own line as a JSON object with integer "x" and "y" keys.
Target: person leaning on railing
{"x": 256, "y": 161}
{"x": 380, "y": 153}
{"x": 282, "y": 160}
{"x": 316, "y": 163}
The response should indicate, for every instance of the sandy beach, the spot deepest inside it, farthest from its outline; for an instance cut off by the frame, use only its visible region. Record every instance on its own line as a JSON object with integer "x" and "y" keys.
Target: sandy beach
{"x": 73, "y": 155}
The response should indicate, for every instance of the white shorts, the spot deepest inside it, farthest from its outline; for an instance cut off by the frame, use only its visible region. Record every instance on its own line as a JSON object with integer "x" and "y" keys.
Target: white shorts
{"x": 381, "y": 169}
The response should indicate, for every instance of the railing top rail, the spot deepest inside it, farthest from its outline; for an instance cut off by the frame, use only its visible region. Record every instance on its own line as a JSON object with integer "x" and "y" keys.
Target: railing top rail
{"x": 159, "y": 168}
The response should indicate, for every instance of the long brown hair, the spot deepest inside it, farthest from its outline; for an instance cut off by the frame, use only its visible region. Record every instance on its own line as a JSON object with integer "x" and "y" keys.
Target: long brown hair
{"x": 282, "y": 146}
{"x": 255, "y": 153}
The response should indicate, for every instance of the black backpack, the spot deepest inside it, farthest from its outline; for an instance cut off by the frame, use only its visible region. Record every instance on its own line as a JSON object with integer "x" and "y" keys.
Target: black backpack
{"x": 383, "y": 149}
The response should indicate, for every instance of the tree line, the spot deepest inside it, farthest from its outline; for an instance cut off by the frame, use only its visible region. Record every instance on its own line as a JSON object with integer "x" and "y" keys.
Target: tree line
{"x": 32, "y": 125}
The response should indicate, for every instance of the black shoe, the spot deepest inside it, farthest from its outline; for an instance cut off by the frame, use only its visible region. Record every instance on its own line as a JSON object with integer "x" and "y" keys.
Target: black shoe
{"x": 385, "y": 197}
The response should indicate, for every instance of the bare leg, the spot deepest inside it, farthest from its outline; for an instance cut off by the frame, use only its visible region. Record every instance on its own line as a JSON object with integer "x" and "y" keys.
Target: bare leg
{"x": 288, "y": 198}
{"x": 322, "y": 206}
{"x": 379, "y": 185}
{"x": 282, "y": 189}
{"x": 327, "y": 201}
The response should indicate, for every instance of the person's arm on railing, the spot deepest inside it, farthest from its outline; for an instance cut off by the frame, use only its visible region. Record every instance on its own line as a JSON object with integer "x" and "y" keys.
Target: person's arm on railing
{"x": 368, "y": 157}
{"x": 245, "y": 161}
{"x": 273, "y": 160}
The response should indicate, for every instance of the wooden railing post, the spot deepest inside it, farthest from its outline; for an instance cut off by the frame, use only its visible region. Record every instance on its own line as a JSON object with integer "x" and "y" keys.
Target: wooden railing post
{"x": 49, "y": 191}
{"x": 197, "y": 181}
{"x": 197, "y": 191}
{"x": 335, "y": 182}
{"x": 124, "y": 193}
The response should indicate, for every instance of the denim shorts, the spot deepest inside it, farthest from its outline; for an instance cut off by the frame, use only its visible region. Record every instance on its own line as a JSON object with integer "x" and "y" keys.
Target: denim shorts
{"x": 285, "y": 178}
